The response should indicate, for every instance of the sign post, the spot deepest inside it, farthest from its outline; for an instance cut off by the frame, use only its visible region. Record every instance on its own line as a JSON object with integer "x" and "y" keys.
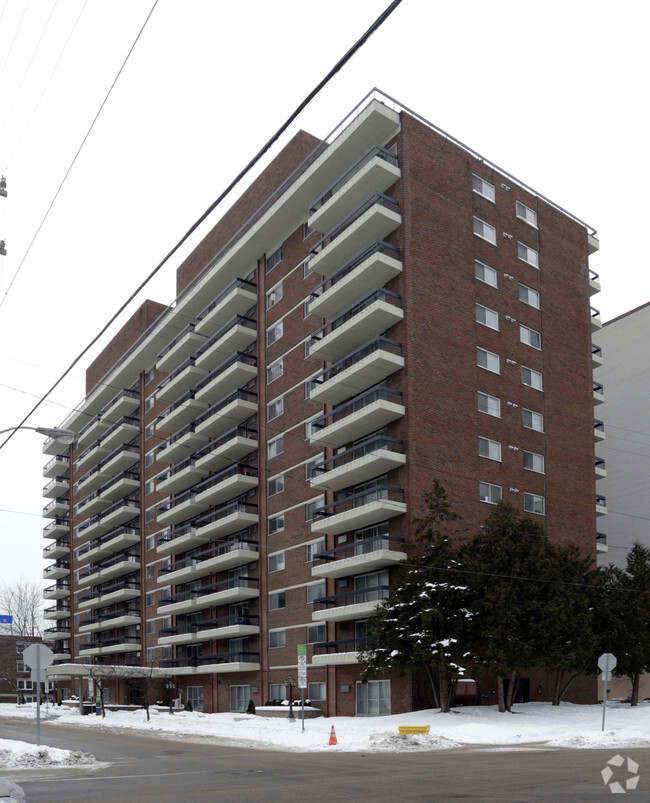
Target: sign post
{"x": 302, "y": 678}
{"x": 606, "y": 662}
{"x": 38, "y": 657}
{"x": 6, "y": 619}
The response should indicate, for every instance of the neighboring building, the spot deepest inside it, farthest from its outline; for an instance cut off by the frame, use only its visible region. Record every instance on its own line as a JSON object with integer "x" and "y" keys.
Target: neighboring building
{"x": 16, "y": 685}
{"x": 625, "y": 379}
{"x": 377, "y": 310}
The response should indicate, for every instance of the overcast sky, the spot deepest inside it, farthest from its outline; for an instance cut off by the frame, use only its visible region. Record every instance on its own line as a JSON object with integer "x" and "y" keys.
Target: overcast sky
{"x": 556, "y": 94}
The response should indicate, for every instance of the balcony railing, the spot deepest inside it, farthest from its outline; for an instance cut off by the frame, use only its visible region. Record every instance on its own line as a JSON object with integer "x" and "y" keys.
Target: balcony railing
{"x": 240, "y": 357}
{"x": 57, "y": 545}
{"x": 236, "y": 320}
{"x": 211, "y": 624}
{"x": 601, "y": 501}
{"x": 243, "y": 283}
{"x": 358, "y": 403}
{"x": 220, "y": 548}
{"x": 342, "y": 645}
{"x": 378, "y": 247}
{"x": 374, "y": 594}
{"x": 55, "y": 567}
{"x": 362, "y": 449}
{"x": 179, "y": 337}
{"x": 108, "y": 615}
{"x": 601, "y": 538}
{"x": 110, "y": 588}
{"x": 105, "y": 539}
{"x": 363, "y": 547}
{"x": 60, "y": 585}
{"x": 377, "y": 151}
{"x": 100, "y": 643}
{"x": 236, "y": 432}
{"x": 218, "y": 658}
{"x": 123, "y": 557}
{"x": 378, "y": 344}
{"x": 213, "y": 588}
{"x": 351, "y": 501}
{"x": 376, "y": 199}
{"x": 237, "y": 506}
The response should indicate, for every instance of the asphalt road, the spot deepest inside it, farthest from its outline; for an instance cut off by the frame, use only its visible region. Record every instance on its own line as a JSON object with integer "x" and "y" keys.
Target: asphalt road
{"x": 141, "y": 768}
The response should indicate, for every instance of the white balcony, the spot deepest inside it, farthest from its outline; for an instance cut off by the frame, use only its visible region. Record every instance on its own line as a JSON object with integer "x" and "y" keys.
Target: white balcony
{"x": 181, "y": 477}
{"x": 113, "y": 647}
{"x": 601, "y": 505}
{"x": 58, "y": 466}
{"x": 94, "y": 430}
{"x": 183, "y": 379}
{"x": 359, "y": 417}
{"x": 125, "y": 430}
{"x": 599, "y": 396}
{"x": 233, "y": 592}
{"x": 91, "y": 506}
{"x": 377, "y": 174}
{"x": 359, "y": 510}
{"x": 56, "y": 612}
{"x": 358, "y": 372}
{"x": 180, "y": 413}
{"x": 593, "y": 244}
{"x": 596, "y": 322}
{"x": 182, "y": 347}
{"x": 57, "y": 486}
{"x": 232, "y": 446}
{"x": 345, "y": 470}
{"x": 361, "y": 557}
{"x": 92, "y": 480}
{"x": 229, "y": 520}
{"x": 91, "y": 456}
{"x": 224, "y": 380}
{"x": 57, "y": 591}
{"x": 123, "y": 511}
{"x": 55, "y": 551}
{"x": 367, "y": 320}
{"x": 238, "y": 335}
{"x": 231, "y": 483}
{"x": 237, "y": 299}
{"x": 109, "y": 622}
{"x": 336, "y": 658}
{"x": 54, "y": 634}
{"x": 217, "y": 420}
{"x": 111, "y": 544}
{"x": 181, "y": 445}
{"x": 343, "y": 613}
{"x": 55, "y": 572}
{"x": 599, "y": 469}
{"x": 181, "y": 541}
{"x": 117, "y": 569}
{"x": 594, "y": 283}
{"x": 56, "y": 528}
{"x": 228, "y": 556}
{"x": 123, "y": 594}
{"x": 374, "y": 268}
{"x": 123, "y": 485}
{"x": 193, "y": 635}
{"x": 124, "y": 404}
{"x": 226, "y": 667}
{"x": 56, "y": 509}
{"x": 375, "y": 223}
{"x": 187, "y": 507}
{"x": 596, "y": 356}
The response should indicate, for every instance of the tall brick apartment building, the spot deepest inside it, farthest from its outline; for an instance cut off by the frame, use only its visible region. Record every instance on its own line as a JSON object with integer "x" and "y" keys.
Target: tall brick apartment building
{"x": 379, "y": 309}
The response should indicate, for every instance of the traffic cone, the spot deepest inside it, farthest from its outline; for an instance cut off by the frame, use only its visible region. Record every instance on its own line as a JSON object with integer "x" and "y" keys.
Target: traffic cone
{"x": 333, "y": 736}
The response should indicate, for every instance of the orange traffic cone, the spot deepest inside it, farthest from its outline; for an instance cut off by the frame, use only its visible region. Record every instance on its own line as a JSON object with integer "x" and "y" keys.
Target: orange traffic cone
{"x": 333, "y": 736}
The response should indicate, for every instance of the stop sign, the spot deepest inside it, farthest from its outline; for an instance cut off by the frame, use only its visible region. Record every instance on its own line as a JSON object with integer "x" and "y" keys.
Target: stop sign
{"x": 38, "y": 653}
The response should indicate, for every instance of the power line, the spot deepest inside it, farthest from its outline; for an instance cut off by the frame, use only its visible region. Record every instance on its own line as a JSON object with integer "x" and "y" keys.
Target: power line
{"x": 335, "y": 69}
{"x": 72, "y": 163}
{"x": 13, "y": 41}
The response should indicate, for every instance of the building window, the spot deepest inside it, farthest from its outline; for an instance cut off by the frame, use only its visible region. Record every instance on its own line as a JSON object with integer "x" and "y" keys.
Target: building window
{"x": 240, "y": 697}
{"x": 530, "y": 378}
{"x": 150, "y": 458}
{"x": 150, "y": 598}
{"x": 483, "y": 187}
{"x": 149, "y": 403}
{"x": 311, "y": 508}
{"x": 275, "y": 447}
{"x": 527, "y": 254}
{"x": 149, "y": 486}
{"x": 315, "y": 591}
{"x": 274, "y": 333}
{"x": 489, "y": 404}
{"x": 276, "y": 562}
{"x": 526, "y": 213}
{"x": 487, "y": 316}
{"x": 277, "y": 638}
{"x": 534, "y": 503}
{"x": 276, "y": 524}
{"x": 150, "y": 514}
{"x": 488, "y": 360}
{"x": 484, "y": 273}
{"x": 149, "y": 375}
{"x": 195, "y": 697}
{"x": 273, "y": 259}
{"x": 317, "y": 692}
{"x": 485, "y": 231}
{"x": 274, "y": 371}
{"x": 311, "y": 550}
{"x": 309, "y": 467}
{"x": 275, "y": 409}
{"x": 315, "y": 634}
{"x": 489, "y": 493}
{"x": 532, "y": 420}
{"x": 529, "y": 296}
{"x": 534, "y": 462}
{"x": 276, "y": 485}
{"x": 373, "y": 697}
{"x": 489, "y": 448}
{"x": 274, "y": 295}
{"x": 149, "y": 431}
{"x": 530, "y": 336}
{"x": 277, "y": 600}
{"x": 306, "y": 230}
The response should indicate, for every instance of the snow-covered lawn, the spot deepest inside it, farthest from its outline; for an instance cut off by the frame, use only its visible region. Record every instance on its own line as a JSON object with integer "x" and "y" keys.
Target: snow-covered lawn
{"x": 531, "y": 725}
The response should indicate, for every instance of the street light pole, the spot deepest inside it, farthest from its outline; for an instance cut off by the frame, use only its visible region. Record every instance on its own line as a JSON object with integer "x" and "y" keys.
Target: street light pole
{"x": 63, "y": 436}
{"x": 292, "y": 683}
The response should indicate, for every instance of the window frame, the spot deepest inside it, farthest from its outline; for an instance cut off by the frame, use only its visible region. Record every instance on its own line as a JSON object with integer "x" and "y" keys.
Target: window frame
{"x": 480, "y": 350}
{"x": 488, "y": 498}
{"x": 535, "y": 499}
{"x": 277, "y": 597}
{"x": 519, "y": 205}
{"x": 279, "y": 560}
{"x": 529, "y": 291}
{"x": 274, "y": 371}
{"x": 271, "y": 336}
{"x": 482, "y": 229}
{"x": 275, "y": 404}
{"x": 527, "y": 335}
{"x": 489, "y": 449}
{"x": 534, "y": 416}
{"x": 486, "y": 316}
{"x": 534, "y": 375}
{"x": 485, "y": 270}
{"x": 274, "y": 295}
{"x": 489, "y": 397}
{"x": 540, "y": 458}
{"x": 277, "y": 526}
{"x": 528, "y": 254}
{"x": 273, "y": 260}
{"x": 479, "y": 186}
{"x": 271, "y": 449}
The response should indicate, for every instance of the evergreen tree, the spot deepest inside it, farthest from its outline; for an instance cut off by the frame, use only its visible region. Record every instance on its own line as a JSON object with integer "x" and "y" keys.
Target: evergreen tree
{"x": 424, "y": 622}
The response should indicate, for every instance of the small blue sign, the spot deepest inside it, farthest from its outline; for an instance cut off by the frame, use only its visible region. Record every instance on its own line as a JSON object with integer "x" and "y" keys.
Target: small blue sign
{"x": 5, "y": 619}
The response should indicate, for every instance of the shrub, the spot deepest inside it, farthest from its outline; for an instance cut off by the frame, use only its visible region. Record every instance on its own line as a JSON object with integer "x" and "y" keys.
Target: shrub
{"x": 251, "y": 707}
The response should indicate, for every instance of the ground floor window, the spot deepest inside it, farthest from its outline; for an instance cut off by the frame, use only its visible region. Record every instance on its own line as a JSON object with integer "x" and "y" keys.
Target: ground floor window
{"x": 239, "y": 697}
{"x": 278, "y": 691}
{"x": 317, "y": 691}
{"x": 373, "y": 698}
{"x": 195, "y": 697}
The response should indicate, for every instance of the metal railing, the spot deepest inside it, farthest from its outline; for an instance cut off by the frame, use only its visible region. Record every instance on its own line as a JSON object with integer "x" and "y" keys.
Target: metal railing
{"x": 374, "y": 594}
{"x": 360, "y": 450}
{"x": 342, "y": 645}
{"x": 376, "y": 199}
{"x": 365, "y": 546}
{"x": 239, "y": 357}
{"x": 217, "y": 658}
{"x": 378, "y": 344}
{"x": 212, "y": 588}
{"x": 243, "y": 283}
{"x": 243, "y": 395}
{"x": 211, "y": 624}
{"x": 377, "y": 493}
{"x": 236, "y": 320}
{"x": 356, "y": 404}
{"x": 220, "y": 548}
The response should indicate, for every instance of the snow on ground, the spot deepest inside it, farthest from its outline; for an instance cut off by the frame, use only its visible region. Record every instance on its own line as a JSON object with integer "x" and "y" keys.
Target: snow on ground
{"x": 531, "y": 725}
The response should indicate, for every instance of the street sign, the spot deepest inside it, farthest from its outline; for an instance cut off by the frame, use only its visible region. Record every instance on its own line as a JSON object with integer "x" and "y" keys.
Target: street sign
{"x": 607, "y": 662}
{"x": 6, "y": 619}
{"x": 302, "y": 666}
{"x": 38, "y": 656}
